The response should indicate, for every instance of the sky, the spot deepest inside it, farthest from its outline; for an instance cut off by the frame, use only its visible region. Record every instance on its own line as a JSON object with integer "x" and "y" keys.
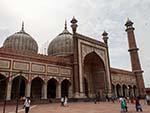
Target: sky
{"x": 44, "y": 20}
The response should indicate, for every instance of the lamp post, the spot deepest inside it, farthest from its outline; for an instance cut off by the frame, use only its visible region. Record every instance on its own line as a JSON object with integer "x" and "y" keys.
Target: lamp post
{"x": 18, "y": 92}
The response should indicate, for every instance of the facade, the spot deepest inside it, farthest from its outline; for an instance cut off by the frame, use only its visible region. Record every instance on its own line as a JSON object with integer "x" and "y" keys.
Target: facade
{"x": 76, "y": 66}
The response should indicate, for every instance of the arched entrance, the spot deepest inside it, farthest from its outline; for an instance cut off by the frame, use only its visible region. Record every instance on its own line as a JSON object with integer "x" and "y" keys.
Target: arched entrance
{"x": 94, "y": 72}
{"x": 36, "y": 88}
{"x": 65, "y": 84}
{"x": 118, "y": 89}
{"x": 86, "y": 87}
{"x": 3, "y": 85}
{"x": 16, "y": 92}
{"x": 51, "y": 88}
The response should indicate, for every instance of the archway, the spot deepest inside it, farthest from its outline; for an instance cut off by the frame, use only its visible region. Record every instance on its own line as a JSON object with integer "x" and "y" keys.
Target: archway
{"x": 18, "y": 87}
{"x": 51, "y": 88}
{"x": 65, "y": 84}
{"x": 3, "y": 84}
{"x": 124, "y": 88}
{"x": 118, "y": 88}
{"x": 86, "y": 87}
{"x": 94, "y": 72}
{"x": 36, "y": 88}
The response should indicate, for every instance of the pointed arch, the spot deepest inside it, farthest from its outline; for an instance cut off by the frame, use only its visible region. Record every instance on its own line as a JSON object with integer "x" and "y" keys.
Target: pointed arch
{"x": 95, "y": 73}
{"x": 51, "y": 88}
{"x": 18, "y": 87}
{"x": 65, "y": 84}
{"x": 36, "y": 88}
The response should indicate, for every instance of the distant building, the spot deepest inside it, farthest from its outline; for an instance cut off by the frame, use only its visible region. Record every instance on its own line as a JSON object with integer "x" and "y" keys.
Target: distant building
{"x": 76, "y": 66}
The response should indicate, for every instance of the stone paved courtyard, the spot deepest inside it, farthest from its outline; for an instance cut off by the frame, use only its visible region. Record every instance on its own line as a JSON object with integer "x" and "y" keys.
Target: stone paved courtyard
{"x": 78, "y": 107}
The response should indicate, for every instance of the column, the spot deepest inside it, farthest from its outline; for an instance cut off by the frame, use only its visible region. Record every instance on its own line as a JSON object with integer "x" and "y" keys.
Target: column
{"x": 58, "y": 91}
{"x": 9, "y": 86}
{"x": 28, "y": 89}
{"x": 70, "y": 92}
{"x": 132, "y": 92}
{"x": 44, "y": 91}
{"x": 121, "y": 91}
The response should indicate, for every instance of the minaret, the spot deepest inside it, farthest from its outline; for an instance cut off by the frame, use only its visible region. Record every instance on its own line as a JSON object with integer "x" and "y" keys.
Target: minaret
{"x": 75, "y": 59}
{"x": 135, "y": 62}
{"x": 108, "y": 86}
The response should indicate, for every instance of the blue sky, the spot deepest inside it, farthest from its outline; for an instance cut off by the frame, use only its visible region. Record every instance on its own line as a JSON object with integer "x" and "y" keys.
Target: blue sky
{"x": 44, "y": 20}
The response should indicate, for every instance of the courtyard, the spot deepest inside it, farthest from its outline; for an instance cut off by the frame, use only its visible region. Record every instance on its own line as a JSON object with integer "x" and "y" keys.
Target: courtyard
{"x": 77, "y": 107}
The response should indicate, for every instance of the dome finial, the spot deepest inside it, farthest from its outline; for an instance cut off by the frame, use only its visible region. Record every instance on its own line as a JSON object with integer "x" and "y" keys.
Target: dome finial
{"x": 74, "y": 24}
{"x": 65, "y": 24}
{"x": 22, "y": 29}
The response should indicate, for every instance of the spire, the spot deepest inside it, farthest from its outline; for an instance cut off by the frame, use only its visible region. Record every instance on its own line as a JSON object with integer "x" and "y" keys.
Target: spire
{"x": 65, "y": 24}
{"x": 22, "y": 29}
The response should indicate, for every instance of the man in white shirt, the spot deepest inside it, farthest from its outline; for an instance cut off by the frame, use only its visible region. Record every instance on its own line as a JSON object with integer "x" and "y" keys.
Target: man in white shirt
{"x": 27, "y": 104}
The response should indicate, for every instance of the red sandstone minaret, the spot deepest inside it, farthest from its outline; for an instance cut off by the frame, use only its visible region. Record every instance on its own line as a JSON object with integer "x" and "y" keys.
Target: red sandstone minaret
{"x": 75, "y": 58}
{"x": 135, "y": 62}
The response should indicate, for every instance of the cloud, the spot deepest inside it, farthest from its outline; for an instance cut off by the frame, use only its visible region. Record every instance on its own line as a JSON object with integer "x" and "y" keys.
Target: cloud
{"x": 44, "y": 20}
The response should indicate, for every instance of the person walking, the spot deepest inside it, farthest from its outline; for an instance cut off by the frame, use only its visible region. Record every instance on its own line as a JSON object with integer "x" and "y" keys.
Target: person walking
{"x": 138, "y": 105}
{"x": 27, "y": 104}
{"x": 126, "y": 107}
{"x": 95, "y": 99}
{"x": 62, "y": 101}
{"x": 122, "y": 105}
{"x": 148, "y": 99}
{"x": 66, "y": 101}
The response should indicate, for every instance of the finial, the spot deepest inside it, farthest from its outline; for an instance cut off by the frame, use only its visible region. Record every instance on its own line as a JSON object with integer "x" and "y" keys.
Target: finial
{"x": 65, "y": 24}
{"x": 128, "y": 23}
{"x": 74, "y": 20}
{"x": 74, "y": 24}
{"x": 105, "y": 37}
{"x": 104, "y": 33}
{"x": 22, "y": 26}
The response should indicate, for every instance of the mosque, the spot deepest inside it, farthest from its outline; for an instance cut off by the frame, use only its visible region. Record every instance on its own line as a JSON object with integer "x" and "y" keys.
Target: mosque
{"x": 75, "y": 66}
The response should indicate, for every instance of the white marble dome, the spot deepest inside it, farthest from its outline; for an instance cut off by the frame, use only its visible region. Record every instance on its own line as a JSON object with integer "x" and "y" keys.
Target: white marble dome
{"x": 62, "y": 45}
{"x": 21, "y": 42}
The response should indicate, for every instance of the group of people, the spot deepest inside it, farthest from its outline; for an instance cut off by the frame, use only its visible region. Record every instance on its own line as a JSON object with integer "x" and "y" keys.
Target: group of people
{"x": 64, "y": 101}
{"x": 124, "y": 107}
{"x": 123, "y": 103}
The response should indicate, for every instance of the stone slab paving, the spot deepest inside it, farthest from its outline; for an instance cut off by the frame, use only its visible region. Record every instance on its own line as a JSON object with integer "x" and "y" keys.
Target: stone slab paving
{"x": 78, "y": 107}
